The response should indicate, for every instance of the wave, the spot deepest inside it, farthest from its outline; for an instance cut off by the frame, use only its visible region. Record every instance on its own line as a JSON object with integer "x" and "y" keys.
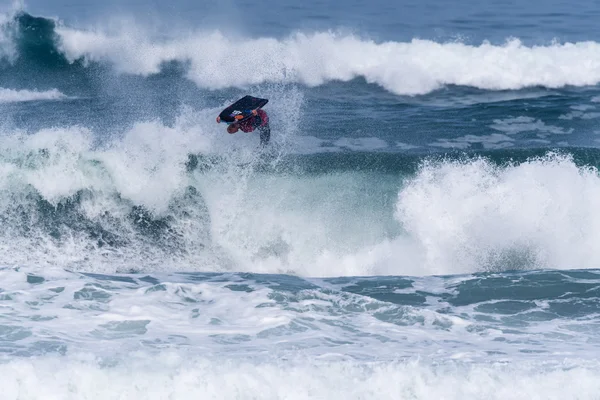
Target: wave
{"x": 182, "y": 198}
{"x": 411, "y": 68}
{"x": 79, "y": 204}
{"x": 469, "y": 215}
{"x": 215, "y": 60}
{"x": 31, "y": 40}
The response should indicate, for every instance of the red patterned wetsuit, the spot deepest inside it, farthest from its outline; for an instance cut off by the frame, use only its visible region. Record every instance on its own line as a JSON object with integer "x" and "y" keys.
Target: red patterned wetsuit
{"x": 261, "y": 122}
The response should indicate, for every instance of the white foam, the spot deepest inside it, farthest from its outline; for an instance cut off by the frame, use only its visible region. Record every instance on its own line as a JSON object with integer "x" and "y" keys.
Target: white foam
{"x": 493, "y": 141}
{"x": 583, "y": 107}
{"x": 466, "y": 216}
{"x": 8, "y": 48}
{"x": 134, "y": 330}
{"x": 520, "y": 124}
{"x": 581, "y": 111}
{"x": 17, "y": 96}
{"x": 174, "y": 375}
{"x": 218, "y": 60}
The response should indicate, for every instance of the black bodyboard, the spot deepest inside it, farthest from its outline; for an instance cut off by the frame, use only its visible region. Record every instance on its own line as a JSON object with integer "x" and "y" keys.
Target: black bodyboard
{"x": 241, "y": 109}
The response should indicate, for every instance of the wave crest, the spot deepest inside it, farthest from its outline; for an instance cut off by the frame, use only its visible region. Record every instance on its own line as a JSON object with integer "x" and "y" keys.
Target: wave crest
{"x": 404, "y": 68}
{"x": 215, "y": 60}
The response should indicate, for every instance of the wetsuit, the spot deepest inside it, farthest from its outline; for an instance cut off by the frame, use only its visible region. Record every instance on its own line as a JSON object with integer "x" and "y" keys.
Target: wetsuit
{"x": 261, "y": 122}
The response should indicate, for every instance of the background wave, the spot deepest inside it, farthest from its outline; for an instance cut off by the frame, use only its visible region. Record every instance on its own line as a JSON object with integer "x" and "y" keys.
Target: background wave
{"x": 215, "y": 60}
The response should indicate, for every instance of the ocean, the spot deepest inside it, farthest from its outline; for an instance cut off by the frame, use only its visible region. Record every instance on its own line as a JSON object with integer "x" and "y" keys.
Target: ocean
{"x": 422, "y": 225}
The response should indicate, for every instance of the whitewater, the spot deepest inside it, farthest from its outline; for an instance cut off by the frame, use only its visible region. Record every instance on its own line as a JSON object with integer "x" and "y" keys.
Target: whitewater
{"x": 422, "y": 226}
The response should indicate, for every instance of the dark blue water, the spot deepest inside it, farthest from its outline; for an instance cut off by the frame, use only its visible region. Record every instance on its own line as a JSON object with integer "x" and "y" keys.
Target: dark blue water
{"x": 534, "y": 22}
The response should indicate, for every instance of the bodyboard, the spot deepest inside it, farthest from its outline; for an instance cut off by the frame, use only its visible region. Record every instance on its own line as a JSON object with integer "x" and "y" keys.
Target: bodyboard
{"x": 241, "y": 109}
